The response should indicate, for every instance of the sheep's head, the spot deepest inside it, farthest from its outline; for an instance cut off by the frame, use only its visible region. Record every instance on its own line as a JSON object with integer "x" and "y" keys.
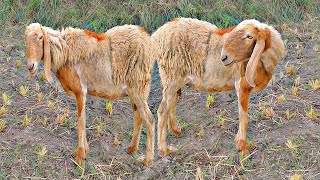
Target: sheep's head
{"x": 37, "y": 48}
{"x": 247, "y": 41}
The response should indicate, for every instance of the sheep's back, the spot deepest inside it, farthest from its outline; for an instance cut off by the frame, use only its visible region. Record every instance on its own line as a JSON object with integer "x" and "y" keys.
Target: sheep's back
{"x": 130, "y": 52}
{"x": 181, "y": 47}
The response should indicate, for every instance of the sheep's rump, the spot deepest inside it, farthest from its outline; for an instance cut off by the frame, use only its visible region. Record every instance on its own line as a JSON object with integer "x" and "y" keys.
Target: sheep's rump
{"x": 181, "y": 47}
{"x": 130, "y": 56}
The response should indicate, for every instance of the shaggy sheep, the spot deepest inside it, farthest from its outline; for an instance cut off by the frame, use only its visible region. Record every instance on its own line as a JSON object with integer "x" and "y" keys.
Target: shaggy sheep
{"x": 208, "y": 59}
{"x": 111, "y": 65}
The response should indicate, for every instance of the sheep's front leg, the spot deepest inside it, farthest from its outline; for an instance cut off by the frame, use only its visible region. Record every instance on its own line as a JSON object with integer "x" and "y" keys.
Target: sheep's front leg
{"x": 83, "y": 147}
{"x": 243, "y": 93}
{"x": 137, "y": 125}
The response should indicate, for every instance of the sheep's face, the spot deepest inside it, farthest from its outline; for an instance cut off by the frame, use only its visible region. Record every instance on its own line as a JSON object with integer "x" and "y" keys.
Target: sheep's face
{"x": 239, "y": 45}
{"x": 34, "y": 47}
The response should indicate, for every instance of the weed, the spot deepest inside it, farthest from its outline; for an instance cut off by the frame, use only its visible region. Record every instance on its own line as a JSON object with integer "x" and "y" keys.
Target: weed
{"x": 290, "y": 69}
{"x": 210, "y": 101}
{"x": 135, "y": 158}
{"x": 312, "y": 114}
{"x": 5, "y": 99}
{"x": 44, "y": 121}
{"x": 314, "y": 84}
{"x": 61, "y": 119}
{"x": 109, "y": 107}
{"x": 50, "y": 105}
{"x": 3, "y": 124}
{"x": 42, "y": 76}
{"x": 40, "y": 96}
{"x": 23, "y": 90}
{"x": 41, "y": 151}
{"x": 289, "y": 115}
{"x": 100, "y": 129}
{"x": 18, "y": 64}
{"x": 3, "y": 110}
{"x": 294, "y": 91}
{"x": 25, "y": 121}
{"x": 201, "y": 133}
{"x": 281, "y": 99}
{"x": 268, "y": 112}
{"x": 37, "y": 87}
{"x": 116, "y": 141}
{"x": 297, "y": 81}
{"x": 296, "y": 177}
{"x": 291, "y": 145}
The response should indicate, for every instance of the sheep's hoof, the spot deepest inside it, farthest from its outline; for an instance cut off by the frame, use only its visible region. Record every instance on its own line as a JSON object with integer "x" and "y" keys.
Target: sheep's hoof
{"x": 147, "y": 163}
{"x": 165, "y": 152}
{"x": 132, "y": 149}
{"x": 243, "y": 146}
{"x": 80, "y": 155}
{"x": 175, "y": 131}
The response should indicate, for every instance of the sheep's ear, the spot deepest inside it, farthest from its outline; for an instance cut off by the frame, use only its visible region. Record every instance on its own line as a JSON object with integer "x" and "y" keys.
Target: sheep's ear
{"x": 262, "y": 44}
{"x": 47, "y": 56}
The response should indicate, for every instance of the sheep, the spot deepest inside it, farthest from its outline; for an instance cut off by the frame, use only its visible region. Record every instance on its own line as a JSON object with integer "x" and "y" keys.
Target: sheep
{"x": 110, "y": 65}
{"x": 209, "y": 59}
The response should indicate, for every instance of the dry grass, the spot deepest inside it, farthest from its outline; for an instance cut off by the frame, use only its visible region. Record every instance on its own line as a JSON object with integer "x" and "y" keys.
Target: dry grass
{"x": 38, "y": 132}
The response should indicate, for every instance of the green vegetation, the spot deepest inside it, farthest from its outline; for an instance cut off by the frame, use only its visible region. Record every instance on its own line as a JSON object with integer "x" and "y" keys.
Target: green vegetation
{"x": 99, "y": 15}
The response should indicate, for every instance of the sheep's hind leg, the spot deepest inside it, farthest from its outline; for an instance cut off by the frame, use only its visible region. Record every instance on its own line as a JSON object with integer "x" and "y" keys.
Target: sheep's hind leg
{"x": 83, "y": 148}
{"x": 148, "y": 119}
{"x": 172, "y": 124}
{"x": 243, "y": 93}
{"x": 168, "y": 103}
{"x": 137, "y": 126}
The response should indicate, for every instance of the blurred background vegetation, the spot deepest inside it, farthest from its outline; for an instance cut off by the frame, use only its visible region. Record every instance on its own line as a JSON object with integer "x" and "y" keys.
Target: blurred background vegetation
{"x": 100, "y": 15}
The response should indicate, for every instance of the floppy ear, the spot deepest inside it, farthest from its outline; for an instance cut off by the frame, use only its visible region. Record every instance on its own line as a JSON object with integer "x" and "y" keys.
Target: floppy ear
{"x": 262, "y": 44}
{"x": 46, "y": 56}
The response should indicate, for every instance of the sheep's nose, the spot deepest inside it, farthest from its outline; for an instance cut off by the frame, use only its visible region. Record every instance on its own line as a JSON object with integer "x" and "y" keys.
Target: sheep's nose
{"x": 30, "y": 66}
{"x": 224, "y": 58}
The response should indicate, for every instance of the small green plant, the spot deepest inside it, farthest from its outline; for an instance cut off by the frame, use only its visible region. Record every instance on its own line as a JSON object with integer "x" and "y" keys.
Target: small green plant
{"x": 18, "y": 64}
{"x": 210, "y": 101}
{"x": 221, "y": 121}
{"x": 294, "y": 91}
{"x": 25, "y": 121}
{"x": 312, "y": 114}
{"x": 3, "y": 110}
{"x": 314, "y": 84}
{"x": 40, "y": 96}
{"x": 100, "y": 129}
{"x": 297, "y": 81}
{"x": 3, "y": 124}
{"x": 23, "y": 90}
{"x": 116, "y": 141}
{"x": 296, "y": 177}
{"x": 290, "y": 69}
{"x": 38, "y": 87}
{"x": 50, "y": 105}
{"x": 201, "y": 133}
{"x": 5, "y": 99}
{"x": 109, "y": 107}
{"x": 281, "y": 98}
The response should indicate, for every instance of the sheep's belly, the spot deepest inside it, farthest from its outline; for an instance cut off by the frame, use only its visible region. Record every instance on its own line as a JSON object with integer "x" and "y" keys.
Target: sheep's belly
{"x": 104, "y": 88}
{"x": 106, "y": 93}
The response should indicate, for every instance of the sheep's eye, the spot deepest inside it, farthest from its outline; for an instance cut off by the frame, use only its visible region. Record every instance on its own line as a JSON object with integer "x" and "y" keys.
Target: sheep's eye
{"x": 40, "y": 37}
{"x": 249, "y": 37}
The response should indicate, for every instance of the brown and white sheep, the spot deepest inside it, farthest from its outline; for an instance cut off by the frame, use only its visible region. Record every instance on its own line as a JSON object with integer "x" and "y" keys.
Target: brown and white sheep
{"x": 209, "y": 59}
{"x": 110, "y": 65}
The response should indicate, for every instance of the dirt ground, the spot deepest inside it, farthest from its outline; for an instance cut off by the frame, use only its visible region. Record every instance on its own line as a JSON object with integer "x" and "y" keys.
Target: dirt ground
{"x": 285, "y": 139}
